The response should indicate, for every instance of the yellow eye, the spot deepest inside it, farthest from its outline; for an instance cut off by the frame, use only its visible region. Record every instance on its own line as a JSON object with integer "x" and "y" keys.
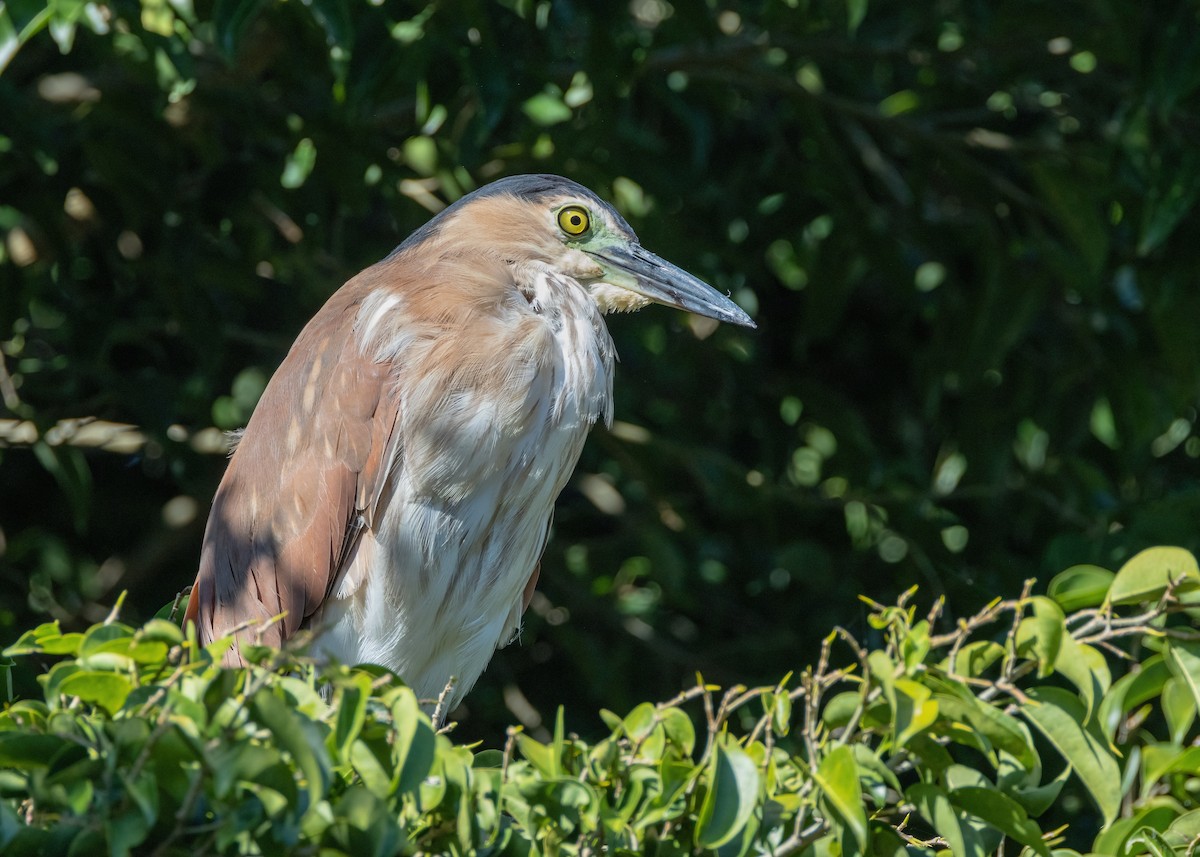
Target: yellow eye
{"x": 574, "y": 220}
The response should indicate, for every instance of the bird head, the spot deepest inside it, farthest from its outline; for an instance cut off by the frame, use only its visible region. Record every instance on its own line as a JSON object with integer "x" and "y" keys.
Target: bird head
{"x": 554, "y": 221}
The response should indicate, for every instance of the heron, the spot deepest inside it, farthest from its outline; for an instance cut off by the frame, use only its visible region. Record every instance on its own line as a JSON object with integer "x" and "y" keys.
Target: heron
{"x": 394, "y": 487}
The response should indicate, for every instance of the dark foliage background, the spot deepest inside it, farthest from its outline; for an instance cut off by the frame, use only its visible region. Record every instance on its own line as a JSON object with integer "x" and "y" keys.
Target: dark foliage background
{"x": 965, "y": 229}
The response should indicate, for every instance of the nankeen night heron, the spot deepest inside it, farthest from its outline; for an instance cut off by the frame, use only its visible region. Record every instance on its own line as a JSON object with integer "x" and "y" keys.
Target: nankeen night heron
{"x": 394, "y": 487}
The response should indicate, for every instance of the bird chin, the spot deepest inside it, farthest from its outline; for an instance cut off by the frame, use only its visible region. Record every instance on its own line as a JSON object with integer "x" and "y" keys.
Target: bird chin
{"x": 612, "y": 298}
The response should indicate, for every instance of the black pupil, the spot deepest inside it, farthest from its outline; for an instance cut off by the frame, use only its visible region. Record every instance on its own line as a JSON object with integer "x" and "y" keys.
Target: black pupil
{"x": 576, "y": 220}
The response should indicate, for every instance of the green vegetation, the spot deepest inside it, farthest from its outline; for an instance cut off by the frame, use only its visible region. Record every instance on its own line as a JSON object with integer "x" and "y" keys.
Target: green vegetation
{"x": 967, "y": 233}
{"x": 958, "y": 742}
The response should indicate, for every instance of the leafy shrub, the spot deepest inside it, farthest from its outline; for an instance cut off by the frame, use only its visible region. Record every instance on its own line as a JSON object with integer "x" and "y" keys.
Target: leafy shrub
{"x": 928, "y": 742}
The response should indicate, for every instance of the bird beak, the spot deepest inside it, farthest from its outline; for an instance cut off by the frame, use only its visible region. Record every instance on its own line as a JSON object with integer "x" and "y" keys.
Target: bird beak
{"x": 636, "y": 269}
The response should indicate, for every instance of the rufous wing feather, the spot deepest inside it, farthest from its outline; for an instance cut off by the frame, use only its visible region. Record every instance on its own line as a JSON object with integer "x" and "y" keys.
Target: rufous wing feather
{"x": 301, "y": 485}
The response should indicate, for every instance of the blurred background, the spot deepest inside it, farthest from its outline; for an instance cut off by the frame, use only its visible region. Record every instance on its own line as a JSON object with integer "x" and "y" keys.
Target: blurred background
{"x": 966, "y": 231}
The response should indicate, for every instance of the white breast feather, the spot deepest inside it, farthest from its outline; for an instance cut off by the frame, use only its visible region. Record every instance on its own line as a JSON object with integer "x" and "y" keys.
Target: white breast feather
{"x": 443, "y": 572}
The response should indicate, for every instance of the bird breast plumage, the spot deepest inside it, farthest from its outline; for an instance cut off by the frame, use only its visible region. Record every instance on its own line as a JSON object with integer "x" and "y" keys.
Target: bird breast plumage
{"x": 495, "y": 400}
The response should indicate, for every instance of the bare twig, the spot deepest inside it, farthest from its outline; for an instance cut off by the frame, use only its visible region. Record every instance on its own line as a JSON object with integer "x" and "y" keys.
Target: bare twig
{"x": 443, "y": 701}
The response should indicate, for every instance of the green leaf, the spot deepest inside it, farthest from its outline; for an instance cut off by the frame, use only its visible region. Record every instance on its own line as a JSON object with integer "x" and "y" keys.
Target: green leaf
{"x": 125, "y": 831}
{"x": 538, "y": 754}
{"x": 108, "y": 662}
{"x": 162, "y": 631}
{"x": 874, "y": 776}
{"x": 1132, "y": 690}
{"x": 45, "y": 638}
{"x": 612, "y": 720}
{"x": 679, "y": 730}
{"x": 1059, "y": 715}
{"x": 957, "y": 705}
{"x": 733, "y": 784}
{"x": 299, "y": 164}
{"x": 915, "y": 646}
{"x": 837, "y": 776}
{"x": 240, "y": 762}
{"x": 1156, "y": 813}
{"x": 1184, "y": 830}
{"x": 414, "y": 742}
{"x": 558, "y": 742}
{"x": 372, "y": 828}
{"x": 355, "y": 690}
{"x": 1179, "y": 709}
{"x": 1080, "y": 586}
{"x": 1146, "y": 575}
{"x": 932, "y": 755}
{"x": 105, "y": 689}
{"x": 1159, "y": 759}
{"x": 421, "y": 154}
{"x": 369, "y": 766}
{"x": 65, "y": 644}
{"x": 114, "y": 637}
{"x": 781, "y": 712}
{"x": 856, "y": 11}
{"x": 1087, "y": 669}
{"x": 27, "y": 714}
{"x": 915, "y": 710}
{"x": 840, "y": 707}
{"x": 974, "y": 658}
{"x": 547, "y": 108}
{"x": 670, "y": 781}
{"x": 26, "y": 751}
{"x": 1037, "y": 799}
{"x": 640, "y": 722}
{"x": 1187, "y": 762}
{"x": 1183, "y": 659}
{"x": 299, "y": 736}
{"x": 934, "y": 805}
{"x": 1002, "y": 813}
{"x": 1151, "y": 841}
{"x": 1041, "y": 634}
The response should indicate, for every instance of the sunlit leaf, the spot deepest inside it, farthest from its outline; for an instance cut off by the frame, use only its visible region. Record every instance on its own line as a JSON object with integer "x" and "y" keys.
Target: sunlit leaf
{"x": 352, "y": 710}
{"x": 547, "y": 108}
{"x": 837, "y": 776}
{"x": 1040, "y": 635}
{"x": 916, "y": 710}
{"x": 413, "y": 744}
{"x": 106, "y": 689}
{"x": 1002, "y": 813}
{"x": 1183, "y": 658}
{"x": 1086, "y": 668}
{"x": 733, "y": 783}
{"x": 299, "y": 164}
{"x": 1147, "y": 574}
{"x": 1059, "y": 715}
{"x": 1080, "y": 586}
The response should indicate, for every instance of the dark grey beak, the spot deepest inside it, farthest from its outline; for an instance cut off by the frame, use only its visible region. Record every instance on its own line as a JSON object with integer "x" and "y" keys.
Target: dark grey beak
{"x": 632, "y": 267}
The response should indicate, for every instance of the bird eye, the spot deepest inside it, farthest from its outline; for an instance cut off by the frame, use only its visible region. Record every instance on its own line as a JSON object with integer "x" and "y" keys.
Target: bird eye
{"x": 574, "y": 220}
